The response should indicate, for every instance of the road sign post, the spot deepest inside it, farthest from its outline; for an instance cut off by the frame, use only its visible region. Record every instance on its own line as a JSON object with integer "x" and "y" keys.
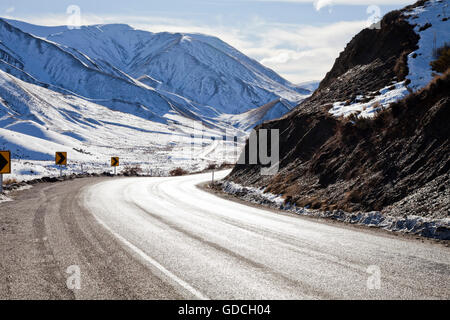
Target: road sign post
{"x": 61, "y": 160}
{"x": 115, "y": 163}
{"x": 5, "y": 166}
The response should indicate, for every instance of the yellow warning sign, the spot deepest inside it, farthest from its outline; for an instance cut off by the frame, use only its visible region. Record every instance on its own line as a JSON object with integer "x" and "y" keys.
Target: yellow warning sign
{"x": 5, "y": 162}
{"x": 61, "y": 158}
{"x": 114, "y": 161}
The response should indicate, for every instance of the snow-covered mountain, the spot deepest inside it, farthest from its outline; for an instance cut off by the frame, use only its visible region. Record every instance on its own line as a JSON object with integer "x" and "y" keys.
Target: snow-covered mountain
{"x": 112, "y": 90}
{"x": 310, "y": 86}
{"x": 272, "y": 110}
{"x": 201, "y": 68}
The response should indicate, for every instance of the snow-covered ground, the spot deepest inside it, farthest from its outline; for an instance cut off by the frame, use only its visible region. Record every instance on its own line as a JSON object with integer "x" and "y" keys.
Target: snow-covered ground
{"x": 4, "y": 196}
{"x": 433, "y": 228}
{"x": 432, "y": 24}
{"x": 39, "y": 122}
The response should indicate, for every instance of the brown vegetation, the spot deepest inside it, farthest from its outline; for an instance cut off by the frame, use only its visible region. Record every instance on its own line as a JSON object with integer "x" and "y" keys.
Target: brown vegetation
{"x": 226, "y": 165}
{"x": 132, "y": 170}
{"x": 401, "y": 66}
{"x": 178, "y": 172}
{"x": 9, "y": 181}
{"x": 442, "y": 62}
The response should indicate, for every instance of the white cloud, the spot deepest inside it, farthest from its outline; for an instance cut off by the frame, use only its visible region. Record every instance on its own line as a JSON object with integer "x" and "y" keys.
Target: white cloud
{"x": 307, "y": 52}
{"x": 319, "y": 4}
{"x": 10, "y": 10}
{"x": 297, "y": 52}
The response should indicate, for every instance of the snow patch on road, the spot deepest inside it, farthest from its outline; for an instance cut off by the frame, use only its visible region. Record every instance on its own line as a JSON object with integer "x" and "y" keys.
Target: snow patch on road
{"x": 4, "y": 198}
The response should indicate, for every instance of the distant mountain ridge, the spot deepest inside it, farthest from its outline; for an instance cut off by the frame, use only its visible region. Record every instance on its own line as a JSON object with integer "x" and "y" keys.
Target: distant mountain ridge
{"x": 201, "y": 68}
{"x": 111, "y": 90}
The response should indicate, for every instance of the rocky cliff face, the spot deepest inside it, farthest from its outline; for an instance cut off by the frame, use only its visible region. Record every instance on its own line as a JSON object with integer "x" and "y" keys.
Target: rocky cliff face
{"x": 395, "y": 162}
{"x": 378, "y": 50}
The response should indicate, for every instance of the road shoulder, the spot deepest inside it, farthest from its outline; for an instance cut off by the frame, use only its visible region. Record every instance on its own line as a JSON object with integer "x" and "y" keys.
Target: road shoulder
{"x": 362, "y": 228}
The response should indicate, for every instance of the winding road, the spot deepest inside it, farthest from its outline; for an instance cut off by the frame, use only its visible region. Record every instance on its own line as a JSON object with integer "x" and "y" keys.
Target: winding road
{"x": 165, "y": 238}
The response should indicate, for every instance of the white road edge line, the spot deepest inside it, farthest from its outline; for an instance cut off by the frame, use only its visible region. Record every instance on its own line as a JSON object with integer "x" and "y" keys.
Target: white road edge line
{"x": 154, "y": 263}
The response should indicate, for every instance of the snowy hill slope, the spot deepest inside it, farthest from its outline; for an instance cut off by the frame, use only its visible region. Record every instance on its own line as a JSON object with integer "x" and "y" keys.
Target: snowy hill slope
{"x": 311, "y": 86}
{"x": 50, "y": 64}
{"x": 272, "y": 110}
{"x": 111, "y": 90}
{"x": 431, "y": 25}
{"x": 201, "y": 68}
{"x": 36, "y": 122}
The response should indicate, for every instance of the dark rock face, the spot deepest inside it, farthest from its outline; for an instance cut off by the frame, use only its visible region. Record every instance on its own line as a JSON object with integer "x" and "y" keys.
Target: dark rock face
{"x": 328, "y": 163}
{"x": 392, "y": 163}
{"x": 372, "y": 60}
{"x": 381, "y": 47}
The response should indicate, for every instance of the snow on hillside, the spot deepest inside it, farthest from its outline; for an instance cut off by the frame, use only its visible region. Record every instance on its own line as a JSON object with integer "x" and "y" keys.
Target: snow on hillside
{"x": 158, "y": 100}
{"x": 49, "y": 64}
{"x": 36, "y": 122}
{"x": 432, "y": 25}
{"x": 311, "y": 86}
{"x": 272, "y": 110}
{"x": 386, "y": 96}
{"x": 201, "y": 68}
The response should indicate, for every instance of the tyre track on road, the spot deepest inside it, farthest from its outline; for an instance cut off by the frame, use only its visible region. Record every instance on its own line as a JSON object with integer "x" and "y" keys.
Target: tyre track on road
{"x": 54, "y": 232}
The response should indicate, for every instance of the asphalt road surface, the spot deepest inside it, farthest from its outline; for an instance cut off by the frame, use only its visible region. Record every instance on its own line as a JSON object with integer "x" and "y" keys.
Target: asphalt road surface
{"x": 164, "y": 238}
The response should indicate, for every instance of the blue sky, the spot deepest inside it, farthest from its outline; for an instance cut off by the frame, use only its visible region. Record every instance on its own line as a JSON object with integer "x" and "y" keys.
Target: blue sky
{"x": 299, "y": 39}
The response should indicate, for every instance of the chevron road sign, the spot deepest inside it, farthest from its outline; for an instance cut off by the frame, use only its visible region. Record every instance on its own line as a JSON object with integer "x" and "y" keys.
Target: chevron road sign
{"x": 61, "y": 158}
{"x": 5, "y": 162}
{"x": 5, "y": 166}
{"x": 114, "y": 161}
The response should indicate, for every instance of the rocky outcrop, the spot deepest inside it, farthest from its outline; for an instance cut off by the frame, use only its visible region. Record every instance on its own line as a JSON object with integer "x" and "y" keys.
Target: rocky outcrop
{"x": 372, "y": 60}
{"x": 397, "y": 162}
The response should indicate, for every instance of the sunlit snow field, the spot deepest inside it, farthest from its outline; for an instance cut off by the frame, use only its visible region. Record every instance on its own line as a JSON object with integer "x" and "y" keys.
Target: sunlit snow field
{"x": 92, "y": 134}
